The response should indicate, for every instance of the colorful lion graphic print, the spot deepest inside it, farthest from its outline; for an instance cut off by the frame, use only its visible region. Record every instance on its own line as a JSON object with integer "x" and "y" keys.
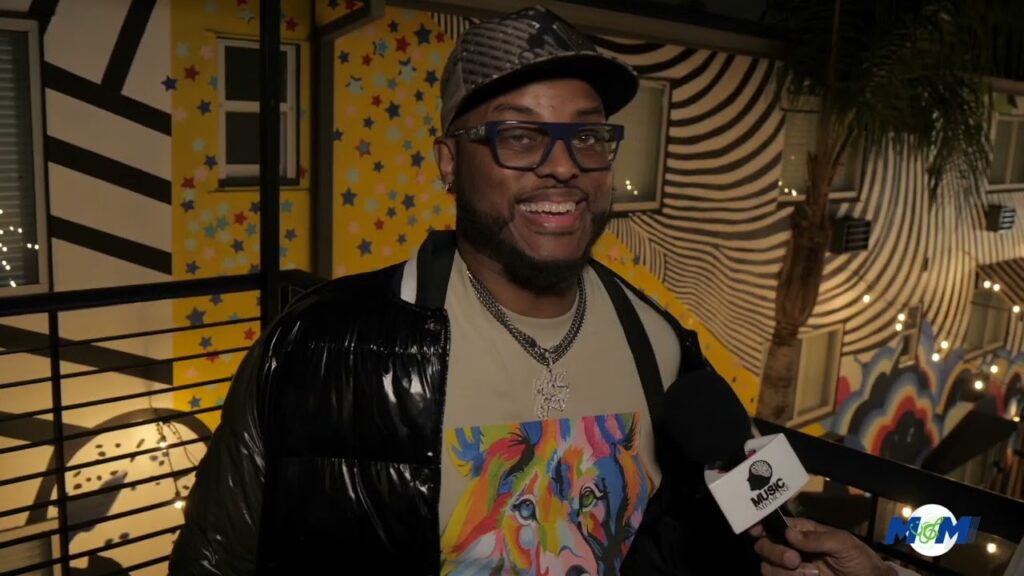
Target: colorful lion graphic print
{"x": 553, "y": 497}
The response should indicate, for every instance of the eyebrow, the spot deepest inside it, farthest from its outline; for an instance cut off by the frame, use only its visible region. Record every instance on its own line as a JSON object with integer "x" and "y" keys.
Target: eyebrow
{"x": 597, "y": 110}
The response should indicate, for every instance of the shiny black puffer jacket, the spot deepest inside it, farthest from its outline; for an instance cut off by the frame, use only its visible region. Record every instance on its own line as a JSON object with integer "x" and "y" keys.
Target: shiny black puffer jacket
{"x": 328, "y": 456}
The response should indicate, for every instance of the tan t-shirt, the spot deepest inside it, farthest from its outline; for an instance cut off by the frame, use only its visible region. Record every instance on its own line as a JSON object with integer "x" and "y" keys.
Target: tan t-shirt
{"x": 520, "y": 495}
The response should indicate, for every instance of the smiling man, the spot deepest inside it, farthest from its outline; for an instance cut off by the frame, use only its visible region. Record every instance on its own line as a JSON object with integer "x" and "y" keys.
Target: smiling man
{"x": 490, "y": 406}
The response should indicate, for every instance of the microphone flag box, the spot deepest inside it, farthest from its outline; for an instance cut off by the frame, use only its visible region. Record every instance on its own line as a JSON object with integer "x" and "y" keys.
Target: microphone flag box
{"x": 757, "y": 487}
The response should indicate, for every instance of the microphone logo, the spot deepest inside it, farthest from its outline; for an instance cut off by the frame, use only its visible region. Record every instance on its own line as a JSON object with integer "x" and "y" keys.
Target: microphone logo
{"x": 760, "y": 475}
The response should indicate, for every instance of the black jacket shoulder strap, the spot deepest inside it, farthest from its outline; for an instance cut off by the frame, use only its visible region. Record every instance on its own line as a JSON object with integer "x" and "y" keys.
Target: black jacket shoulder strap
{"x": 639, "y": 342}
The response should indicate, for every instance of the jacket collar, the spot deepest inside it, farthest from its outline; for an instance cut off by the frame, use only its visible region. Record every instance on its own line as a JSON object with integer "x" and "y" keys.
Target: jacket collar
{"x": 425, "y": 276}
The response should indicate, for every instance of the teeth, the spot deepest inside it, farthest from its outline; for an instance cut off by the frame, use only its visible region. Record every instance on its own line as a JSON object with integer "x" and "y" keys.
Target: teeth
{"x": 549, "y": 207}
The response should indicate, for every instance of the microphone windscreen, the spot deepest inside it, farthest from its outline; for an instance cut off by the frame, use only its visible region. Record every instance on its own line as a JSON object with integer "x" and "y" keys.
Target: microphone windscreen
{"x": 705, "y": 418}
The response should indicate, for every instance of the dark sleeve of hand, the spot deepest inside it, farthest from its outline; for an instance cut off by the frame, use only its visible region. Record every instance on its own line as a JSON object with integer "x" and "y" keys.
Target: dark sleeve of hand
{"x": 223, "y": 510}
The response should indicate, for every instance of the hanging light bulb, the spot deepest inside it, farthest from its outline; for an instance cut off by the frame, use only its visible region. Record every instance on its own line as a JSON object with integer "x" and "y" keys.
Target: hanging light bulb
{"x": 899, "y": 326}
{"x": 866, "y": 299}
{"x": 1016, "y": 418}
{"x": 994, "y": 369}
{"x": 1016, "y": 308}
{"x": 995, "y": 287}
{"x": 906, "y": 512}
{"x": 987, "y": 284}
{"x": 991, "y": 548}
{"x": 901, "y": 316}
{"x": 979, "y": 385}
{"x": 936, "y": 357}
{"x": 944, "y": 344}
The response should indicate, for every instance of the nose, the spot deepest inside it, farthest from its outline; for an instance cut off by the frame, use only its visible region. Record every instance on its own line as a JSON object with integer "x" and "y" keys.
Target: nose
{"x": 559, "y": 164}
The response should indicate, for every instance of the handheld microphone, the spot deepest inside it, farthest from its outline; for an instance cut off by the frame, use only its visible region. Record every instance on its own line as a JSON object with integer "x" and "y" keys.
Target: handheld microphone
{"x": 750, "y": 478}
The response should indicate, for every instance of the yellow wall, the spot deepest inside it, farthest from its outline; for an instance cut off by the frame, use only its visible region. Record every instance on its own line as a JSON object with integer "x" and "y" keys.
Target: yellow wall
{"x": 383, "y": 211}
{"x": 217, "y": 230}
{"x": 327, "y": 11}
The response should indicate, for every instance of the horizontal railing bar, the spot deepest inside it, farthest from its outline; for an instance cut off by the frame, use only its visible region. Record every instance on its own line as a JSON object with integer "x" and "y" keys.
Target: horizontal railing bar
{"x": 146, "y": 564}
{"x": 155, "y": 362}
{"x": 22, "y": 415}
{"x": 29, "y": 538}
{"x": 132, "y": 484}
{"x": 119, "y": 515}
{"x": 112, "y": 296}
{"x": 107, "y": 460}
{"x": 126, "y": 425}
{"x": 155, "y": 392}
{"x": 125, "y": 542}
{"x": 129, "y": 336}
{"x": 902, "y": 483}
{"x": 26, "y": 446}
{"x": 28, "y": 382}
{"x": 138, "y": 453}
{"x": 159, "y": 332}
{"x": 27, "y": 508}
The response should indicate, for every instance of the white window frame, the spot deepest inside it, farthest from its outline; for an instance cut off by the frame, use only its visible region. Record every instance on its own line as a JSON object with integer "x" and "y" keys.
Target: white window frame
{"x": 659, "y": 132}
{"x": 803, "y": 416}
{"x": 854, "y": 153}
{"x": 31, "y": 28}
{"x": 1014, "y": 119}
{"x": 911, "y": 333}
{"x": 235, "y": 175}
{"x": 987, "y": 347}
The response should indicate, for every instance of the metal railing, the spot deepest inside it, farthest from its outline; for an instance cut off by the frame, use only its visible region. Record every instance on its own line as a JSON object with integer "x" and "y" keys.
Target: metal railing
{"x": 40, "y": 495}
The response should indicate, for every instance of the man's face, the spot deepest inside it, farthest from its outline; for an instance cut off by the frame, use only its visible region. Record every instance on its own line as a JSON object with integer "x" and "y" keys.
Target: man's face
{"x": 538, "y": 224}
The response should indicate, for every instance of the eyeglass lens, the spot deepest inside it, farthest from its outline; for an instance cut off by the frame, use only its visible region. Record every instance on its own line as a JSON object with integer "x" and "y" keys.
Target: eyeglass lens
{"x": 526, "y": 145}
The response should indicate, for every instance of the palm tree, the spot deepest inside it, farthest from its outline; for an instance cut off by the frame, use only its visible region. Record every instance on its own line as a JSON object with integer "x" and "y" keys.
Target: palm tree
{"x": 898, "y": 75}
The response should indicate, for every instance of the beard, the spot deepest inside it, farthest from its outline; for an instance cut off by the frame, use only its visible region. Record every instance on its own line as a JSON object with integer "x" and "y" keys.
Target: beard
{"x": 487, "y": 233}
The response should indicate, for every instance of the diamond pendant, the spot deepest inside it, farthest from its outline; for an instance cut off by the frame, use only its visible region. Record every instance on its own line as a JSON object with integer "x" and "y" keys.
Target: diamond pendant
{"x": 551, "y": 390}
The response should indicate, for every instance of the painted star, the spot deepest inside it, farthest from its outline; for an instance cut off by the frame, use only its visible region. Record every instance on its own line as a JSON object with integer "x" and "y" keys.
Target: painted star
{"x": 290, "y": 234}
{"x": 401, "y": 44}
{"x": 204, "y": 107}
{"x": 205, "y": 342}
{"x": 251, "y": 230}
{"x": 422, "y": 35}
{"x": 367, "y": 59}
{"x": 282, "y": 252}
{"x": 188, "y": 182}
{"x": 191, "y": 73}
{"x": 254, "y": 269}
{"x": 348, "y": 197}
{"x": 212, "y": 82}
{"x": 191, "y": 268}
{"x": 393, "y": 27}
{"x": 249, "y": 334}
{"x": 354, "y": 85}
{"x": 409, "y": 202}
{"x": 337, "y": 135}
{"x": 401, "y": 239}
{"x": 188, "y": 205}
{"x": 368, "y": 123}
{"x": 246, "y": 15}
{"x": 433, "y": 131}
{"x": 439, "y": 37}
{"x": 412, "y": 221}
{"x": 407, "y": 145}
{"x": 216, "y": 299}
{"x": 392, "y": 83}
{"x": 419, "y": 95}
{"x": 378, "y": 224}
{"x": 428, "y": 120}
{"x": 169, "y": 84}
{"x": 431, "y": 78}
{"x": 254, "y": 207}
{"x": 365, "y": 247}
{"x": 392, "y": 195}
{"x": 238, "y": 246}
{"x": 363, "y": 148}
{"x": 194, "y": 402}
{"x": 196, "y": 317}
{"x": 222, "y": 223}
{"x": 437, "y": 210}
{"x": 391, "y": 213}
{"x": 378, "y": 166}
{"x": 417, "y": 159}
{"x": 210, "y": 231}
{"x": 210, "y": 162}
{"x": 376, "y": 101}
{"x": 286, "y": 207}
{"x": 393, "y": 111}
{"x": 380, "y": 47}
{"x": 343, "y": 57}
{"x": 290, "y": 24}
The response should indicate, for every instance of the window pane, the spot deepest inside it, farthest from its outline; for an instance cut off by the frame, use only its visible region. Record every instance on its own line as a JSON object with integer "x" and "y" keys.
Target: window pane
{"x": 640, "y": 155}
{"x": 818, "y": 357}
{"x": 1000, "y": 152}
{"x": 242, "y": 73}
{"x": 17, "y": 177}
{"x": 1017, "y": 164}
{"x": 799, "y": 139}
{"x": 243, "y": 137}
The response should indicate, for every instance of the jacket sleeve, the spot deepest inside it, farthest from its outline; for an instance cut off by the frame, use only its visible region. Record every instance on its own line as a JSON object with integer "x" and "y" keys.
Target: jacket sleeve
{"x": 222, "y": 513}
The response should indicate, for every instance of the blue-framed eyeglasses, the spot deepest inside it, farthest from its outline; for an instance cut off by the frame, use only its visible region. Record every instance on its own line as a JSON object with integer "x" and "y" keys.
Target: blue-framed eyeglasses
{"x": 520, "y": 145}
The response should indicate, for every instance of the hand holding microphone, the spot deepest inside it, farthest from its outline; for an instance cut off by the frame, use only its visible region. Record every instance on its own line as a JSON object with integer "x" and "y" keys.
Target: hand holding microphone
{"x": 752, "y": 478}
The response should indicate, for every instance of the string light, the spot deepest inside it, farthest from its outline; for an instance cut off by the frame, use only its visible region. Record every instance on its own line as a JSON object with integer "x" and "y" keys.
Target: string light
{"x": 901, "y": 317}
{"x": 899, "y": 326}
{"x": 906, "y": 512}
{"x": 1016, "y": 418}
{"x": 936, "y": 357}
{"x": 1016, "y": 308}
{"x": 994, "y": 369}
{"x": 987, "y": 284}
{"x": 991, "y": 548}
{"x": 866, "y": 299}
{"x": 979, "y": 385}
{"x": 944, "y": 344}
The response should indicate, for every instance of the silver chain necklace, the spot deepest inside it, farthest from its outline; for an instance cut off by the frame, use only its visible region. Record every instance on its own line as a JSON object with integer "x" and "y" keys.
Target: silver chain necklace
{"x": 551, "y": 389}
